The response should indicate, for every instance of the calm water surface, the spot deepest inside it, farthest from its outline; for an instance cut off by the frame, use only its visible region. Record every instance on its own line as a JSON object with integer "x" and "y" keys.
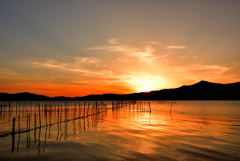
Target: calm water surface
{"x": 173, "y": 130}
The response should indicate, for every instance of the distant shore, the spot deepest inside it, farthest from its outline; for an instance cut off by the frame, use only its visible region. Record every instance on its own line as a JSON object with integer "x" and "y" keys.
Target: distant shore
{"x": 202, "y": 90}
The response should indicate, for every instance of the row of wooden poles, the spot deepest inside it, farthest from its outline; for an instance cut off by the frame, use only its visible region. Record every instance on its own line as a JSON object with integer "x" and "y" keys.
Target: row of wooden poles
{"x": 38, "y": 115}
{"x": 45, "y": 114}
{"x": 62, "y": 128}
{"x": 14, "y": 109}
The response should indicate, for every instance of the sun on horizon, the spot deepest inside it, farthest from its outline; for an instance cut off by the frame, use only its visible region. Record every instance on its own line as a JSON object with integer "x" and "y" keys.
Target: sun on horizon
{"x": 147, "y": 83}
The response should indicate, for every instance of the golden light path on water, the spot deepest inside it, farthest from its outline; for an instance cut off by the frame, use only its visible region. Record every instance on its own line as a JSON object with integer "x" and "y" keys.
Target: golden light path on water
{"x": 173, "y": 130}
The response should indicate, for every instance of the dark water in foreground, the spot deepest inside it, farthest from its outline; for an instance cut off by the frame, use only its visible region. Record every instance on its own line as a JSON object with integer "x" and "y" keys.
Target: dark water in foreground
{"x": 182, "y": 130}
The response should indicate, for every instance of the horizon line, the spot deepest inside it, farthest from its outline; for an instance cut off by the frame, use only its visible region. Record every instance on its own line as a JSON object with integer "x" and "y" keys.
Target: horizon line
{"x": 116, "y": 93}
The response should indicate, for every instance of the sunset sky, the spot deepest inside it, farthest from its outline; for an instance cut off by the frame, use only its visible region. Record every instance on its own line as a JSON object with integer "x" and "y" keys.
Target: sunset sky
{"x": 77, "y": 47}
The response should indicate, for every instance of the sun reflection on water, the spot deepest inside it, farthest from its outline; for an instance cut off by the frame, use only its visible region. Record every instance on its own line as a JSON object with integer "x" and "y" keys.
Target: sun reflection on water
{"x": 172, "y": 130}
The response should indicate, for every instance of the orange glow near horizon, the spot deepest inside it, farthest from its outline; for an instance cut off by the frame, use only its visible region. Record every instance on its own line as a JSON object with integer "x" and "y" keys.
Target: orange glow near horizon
{"x": 53, "y": 90}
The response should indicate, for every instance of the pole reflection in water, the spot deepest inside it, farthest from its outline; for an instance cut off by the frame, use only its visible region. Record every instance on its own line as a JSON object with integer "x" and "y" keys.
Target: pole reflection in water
{"x": 120, "y": 130}
{"x": 45, "y": 121}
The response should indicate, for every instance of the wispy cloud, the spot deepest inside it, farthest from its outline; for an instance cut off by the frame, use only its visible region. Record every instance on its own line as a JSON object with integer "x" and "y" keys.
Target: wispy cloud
{"x": 113, "y": 41}
{"x": 204, "y": 69}
{"x": 219, "y": 69}
{"x": 87, "y": 60}
{"x": 75, "y": 66}
{"x": 113, "y": 48}
{"x": 8, "y": 74}
{"x": 176, "y": 47}
{"x": 144, "y": 53}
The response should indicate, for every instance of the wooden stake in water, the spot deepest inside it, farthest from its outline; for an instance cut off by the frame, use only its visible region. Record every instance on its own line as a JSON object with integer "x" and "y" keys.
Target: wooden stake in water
{"x": 35, "y": 125}
{"x": 13, "y": 125}
{"x": 13, "y": 133}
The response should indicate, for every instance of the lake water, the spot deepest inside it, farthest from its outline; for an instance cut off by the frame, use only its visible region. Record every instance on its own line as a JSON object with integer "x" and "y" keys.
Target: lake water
{"x": 172, "y": 130}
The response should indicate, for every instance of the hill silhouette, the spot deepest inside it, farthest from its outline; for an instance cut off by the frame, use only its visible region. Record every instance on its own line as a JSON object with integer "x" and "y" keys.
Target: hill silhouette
{"x": 202, "y": 90}
{"x": 22, "y": 96}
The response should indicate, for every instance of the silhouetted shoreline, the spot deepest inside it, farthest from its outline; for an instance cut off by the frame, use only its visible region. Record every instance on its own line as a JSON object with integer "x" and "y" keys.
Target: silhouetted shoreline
{"x": 202, "y": 90}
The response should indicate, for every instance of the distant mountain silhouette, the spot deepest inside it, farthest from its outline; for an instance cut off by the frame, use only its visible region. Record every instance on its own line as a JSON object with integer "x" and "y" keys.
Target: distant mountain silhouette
{"x": 23, "y": 96}
{"x": 202, "y": 90}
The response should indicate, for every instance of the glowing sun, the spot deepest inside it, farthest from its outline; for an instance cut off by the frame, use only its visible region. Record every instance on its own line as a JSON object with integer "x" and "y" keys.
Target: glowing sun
{"x": 147, "y": 83}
